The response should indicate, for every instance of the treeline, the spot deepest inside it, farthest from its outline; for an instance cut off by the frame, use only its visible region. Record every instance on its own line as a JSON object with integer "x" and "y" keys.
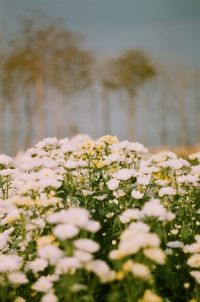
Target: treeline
{"x": 46, "y": 69}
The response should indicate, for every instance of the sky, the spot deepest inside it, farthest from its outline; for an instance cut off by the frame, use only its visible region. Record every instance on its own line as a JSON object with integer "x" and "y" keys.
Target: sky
{"x": 164, "y": 28}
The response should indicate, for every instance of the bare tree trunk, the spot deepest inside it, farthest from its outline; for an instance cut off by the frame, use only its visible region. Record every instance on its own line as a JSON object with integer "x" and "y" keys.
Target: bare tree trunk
{"x": 163, "y": 92}
{"x": 70, "y": 128}
{"x": 68, "y": 125}
{"x": 59, "y": 120}
{"x": 29, "y": 121}
{"x": 106, "y": 113}
{"x": 1, "y": 126}
{"x": 65, "y": 126}
{"x": 40, "y": 110}
{"x": 183, "y": 120}
{"x": 182, "y": 112}
{"x": 15, "y": 126}
{"x": 197, "y": 75}
{"x": 198, "y": 117}
{"x": 92, "y": 96}
{"x": 131, "y": 118}
{"x": 163, "y": 128}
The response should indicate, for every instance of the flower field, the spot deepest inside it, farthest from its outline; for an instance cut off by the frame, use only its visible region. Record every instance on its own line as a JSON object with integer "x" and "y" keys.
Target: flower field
{"x": 84, "y": 220}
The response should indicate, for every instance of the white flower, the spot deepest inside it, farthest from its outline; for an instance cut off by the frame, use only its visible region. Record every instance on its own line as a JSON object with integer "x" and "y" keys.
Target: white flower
{"x": 175, "y": 244}
{"x": 140, "y": 270}
{"x": 68, "y": 264}
{"x": 50, "y": 252}
{"x": 17, "y": 278}
{"x": 49, "y": 141}
{"x": 196, "y": 275}
{"x": 195, "y": 156}
{"x": 155, "y": 254}
{"x": 7, "y": 172}
{"x": 5, "y": 237}
{"x": 39, "y": 222}
{"x": 139, "y": 227}
{"x": 192, "y": 179}
{"x": 87, "y": 192}
{"x": 119, "y": 146}
{"x": 176, "y": 164}
{"x": 114, "y": 157}
{"x": 113, "y": 184}
{"x": 86, "y": 245}
{"x": 68, "y": 148}
{"x": 167, "y": 191}
{"x": 154, "y": 208}
{"x": 45, "y": 173}
{"x": 37, "y": 265}
{"x": 10, "y": 263}
{"x": 119, "y": 193}
{"x": 101, "y": 269}
{"x": 71, "y": 164}
{"x": 11, "y": 216}
{"x": 169, "y": 251}
{"x": 43, "y": 284}
{"x": 197, "y": 238}
{"x": 192, "y": 248}
{"x": 163, "y": 156}
{"x": 136, "y": 147}
{"x": 143, "y": 180}
{"x": 19, "y": 299}
{"x": 5, "y": 160}
{"x": 76, "y": 216}
{"x": 161, "y": 182}
{"x": 133, "y": 238}
{"x": 92, "y": 226}
{"x": 49, "y": 182}
{"x": 124, "y": 174}
{"x": 53, "y": 278}
{"x": 136, "y": 194}
{"x": 80, "y": 138}
{"x": 130, "y": 214}
{"x": 83, "y": 256}
{"x": 49, "y": 297}
{"x": 194, "y": 261}
{"x": 102, "y": 197}
{"x": 174, "y": 232}
{"x": 46, "y": 202}
{"x": 65, "y": 231}
{"x": 29, "y": 186}
{"x": 195, "y": 170}
{"x": 150, "y": 296}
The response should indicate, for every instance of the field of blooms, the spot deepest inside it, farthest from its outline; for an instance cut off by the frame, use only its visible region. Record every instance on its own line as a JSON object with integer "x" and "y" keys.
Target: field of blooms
{"x": 95, "y": 221}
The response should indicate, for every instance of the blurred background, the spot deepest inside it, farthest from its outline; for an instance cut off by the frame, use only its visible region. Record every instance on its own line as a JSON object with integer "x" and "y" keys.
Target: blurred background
{"x": 129, "y": 68}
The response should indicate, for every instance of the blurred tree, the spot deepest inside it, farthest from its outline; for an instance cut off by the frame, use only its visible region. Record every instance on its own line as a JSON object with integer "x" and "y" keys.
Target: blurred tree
{"x": 36, "y": 47}
{"x": 102, "y": 76}
{"x": 181, "y": 80}
{"x": 1, "y": 105}
{"x": 127, "y": 73}
{"x": 197, "y": 97}
{"x": 10, "y": 90}
{"x": 44, "y": 55}
{"x": 162, "y": 89}
{"x": 106, "y": 108}
{"x": 71, "y": 74}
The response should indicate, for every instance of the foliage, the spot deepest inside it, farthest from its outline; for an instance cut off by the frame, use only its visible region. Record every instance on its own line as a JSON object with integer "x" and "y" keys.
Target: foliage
{"x": 129, "y": 71}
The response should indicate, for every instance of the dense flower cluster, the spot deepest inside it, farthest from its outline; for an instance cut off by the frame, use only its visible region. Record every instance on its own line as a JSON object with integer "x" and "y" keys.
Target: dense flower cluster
{"x": 84, "y": 220}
